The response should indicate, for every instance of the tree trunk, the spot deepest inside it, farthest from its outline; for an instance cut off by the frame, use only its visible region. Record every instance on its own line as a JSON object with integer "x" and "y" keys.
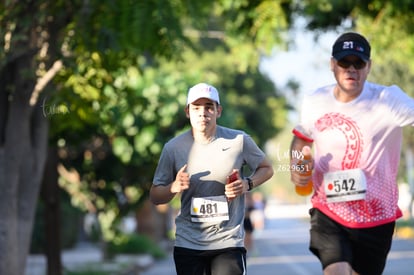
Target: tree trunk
{"x": 51, "y": 196}
{"x": 8, "y": 221}
{"x": 153, "y": 221}
{"x": 22, "y": 158}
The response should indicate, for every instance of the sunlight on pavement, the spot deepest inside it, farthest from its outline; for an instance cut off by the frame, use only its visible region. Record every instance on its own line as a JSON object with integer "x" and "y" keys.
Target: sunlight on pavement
{"x": 281, "y": 259}
{"x": 275, "y": 210}
{"x": 401, "y": 255}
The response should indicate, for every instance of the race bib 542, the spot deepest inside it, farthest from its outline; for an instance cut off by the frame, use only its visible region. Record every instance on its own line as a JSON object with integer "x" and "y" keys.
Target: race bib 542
{"x": 346, "y": 185}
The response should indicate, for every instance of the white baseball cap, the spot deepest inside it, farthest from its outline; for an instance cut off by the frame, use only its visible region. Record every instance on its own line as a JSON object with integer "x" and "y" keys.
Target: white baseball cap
{"x": 202, "y": 90}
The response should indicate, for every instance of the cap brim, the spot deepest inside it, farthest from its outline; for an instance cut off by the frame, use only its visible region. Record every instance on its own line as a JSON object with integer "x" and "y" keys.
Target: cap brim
{"x": 195, "y": 99}
{"x": 343, "y": 54}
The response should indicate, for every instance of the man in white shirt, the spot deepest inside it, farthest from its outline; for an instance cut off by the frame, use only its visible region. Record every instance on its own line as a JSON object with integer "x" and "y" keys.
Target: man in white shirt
{"x": 355, "y": 128}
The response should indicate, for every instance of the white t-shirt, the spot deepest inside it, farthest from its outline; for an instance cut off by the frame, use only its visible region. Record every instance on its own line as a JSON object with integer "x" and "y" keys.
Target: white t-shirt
{"x": 365, "y": 133}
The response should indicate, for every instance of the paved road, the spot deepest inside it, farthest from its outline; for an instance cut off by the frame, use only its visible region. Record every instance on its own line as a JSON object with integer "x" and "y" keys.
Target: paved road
{"x": 282, "y": 248}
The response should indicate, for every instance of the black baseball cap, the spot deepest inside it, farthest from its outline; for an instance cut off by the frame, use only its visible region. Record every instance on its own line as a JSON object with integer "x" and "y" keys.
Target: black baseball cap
{"x": 351, "y": 43}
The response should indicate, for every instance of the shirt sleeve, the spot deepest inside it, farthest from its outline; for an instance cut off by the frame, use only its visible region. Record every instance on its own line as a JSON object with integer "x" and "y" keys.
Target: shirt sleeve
{"x": 253, "y": 155}
{"x": 165, "y": 172}
{"x": 402, "y": 106}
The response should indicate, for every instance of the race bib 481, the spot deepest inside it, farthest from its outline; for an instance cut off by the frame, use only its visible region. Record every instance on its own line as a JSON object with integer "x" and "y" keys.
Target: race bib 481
{"x": 209, "y": 209}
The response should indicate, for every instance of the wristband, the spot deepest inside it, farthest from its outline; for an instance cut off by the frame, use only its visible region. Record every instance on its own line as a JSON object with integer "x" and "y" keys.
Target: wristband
{"x": 250, "y": 183}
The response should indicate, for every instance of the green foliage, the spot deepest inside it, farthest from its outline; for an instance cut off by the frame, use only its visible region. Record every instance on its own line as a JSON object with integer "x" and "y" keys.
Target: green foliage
{"x": 325, "y": 14}
{"x": 135, "y": 244}
{"x": 127, "y": 66}
{"x": 127, "y": 107}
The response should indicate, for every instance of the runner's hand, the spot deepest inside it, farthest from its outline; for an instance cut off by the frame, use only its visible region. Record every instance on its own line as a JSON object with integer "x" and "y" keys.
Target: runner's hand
{"x": 182, "y": 181}
{"x": 235, "y": 187}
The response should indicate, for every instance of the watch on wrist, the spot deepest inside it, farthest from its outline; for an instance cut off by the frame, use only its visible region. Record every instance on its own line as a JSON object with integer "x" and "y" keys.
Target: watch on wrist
{"x": 250, "y": 183}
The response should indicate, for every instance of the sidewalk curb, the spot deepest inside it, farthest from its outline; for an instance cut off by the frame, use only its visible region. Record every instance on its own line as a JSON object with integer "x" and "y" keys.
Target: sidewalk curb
{"x": 90, "y": 257}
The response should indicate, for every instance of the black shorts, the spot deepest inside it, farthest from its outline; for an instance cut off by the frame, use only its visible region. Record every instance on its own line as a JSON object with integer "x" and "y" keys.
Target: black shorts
{"x": 365, "y": 249}
{"x": 248, "y": 226}
{"x": 229, "y": 261}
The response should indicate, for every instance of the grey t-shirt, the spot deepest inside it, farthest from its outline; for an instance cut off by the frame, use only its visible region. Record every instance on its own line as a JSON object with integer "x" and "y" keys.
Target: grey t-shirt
{"x": 208, "y": 166}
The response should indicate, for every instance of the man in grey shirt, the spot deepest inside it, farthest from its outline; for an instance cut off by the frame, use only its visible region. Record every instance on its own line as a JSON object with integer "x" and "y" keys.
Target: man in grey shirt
{"x": 203, "y": 165}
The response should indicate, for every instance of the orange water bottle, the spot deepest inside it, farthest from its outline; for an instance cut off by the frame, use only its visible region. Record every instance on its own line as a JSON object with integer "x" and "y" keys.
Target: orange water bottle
{"x": 304, "y": 168}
